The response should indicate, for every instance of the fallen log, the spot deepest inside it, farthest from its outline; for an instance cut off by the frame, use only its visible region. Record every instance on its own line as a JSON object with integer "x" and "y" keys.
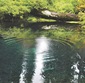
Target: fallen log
{"x": 55, "y": 16}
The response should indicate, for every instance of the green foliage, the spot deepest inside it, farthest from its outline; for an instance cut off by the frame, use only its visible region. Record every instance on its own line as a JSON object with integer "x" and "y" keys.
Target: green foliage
{"x": 82, "y": 18}
{"x": 38, "y": 4}
{"x": 21, "y": 7}
{"x": 13, "y": 7}
{"x": 36, "y": 19}
{"x": 81, "y": 5}
{"x": 64, "y": 5}
{"x": 81, "y": 14}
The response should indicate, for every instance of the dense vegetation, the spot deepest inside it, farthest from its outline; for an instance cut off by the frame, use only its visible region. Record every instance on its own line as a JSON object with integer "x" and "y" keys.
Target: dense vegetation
{"x": 10, "y": 9}
{"x": 21, "y": 8}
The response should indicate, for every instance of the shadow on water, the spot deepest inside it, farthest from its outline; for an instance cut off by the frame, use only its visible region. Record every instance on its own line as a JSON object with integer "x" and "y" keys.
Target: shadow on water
{"x": 41, "y": 60}
{"x": 38, "y": 25}
{"x": 10, "y": 55}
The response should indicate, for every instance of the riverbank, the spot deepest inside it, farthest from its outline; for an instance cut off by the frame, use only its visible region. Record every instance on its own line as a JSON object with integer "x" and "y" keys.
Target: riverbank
{"x": 22, "y": 10}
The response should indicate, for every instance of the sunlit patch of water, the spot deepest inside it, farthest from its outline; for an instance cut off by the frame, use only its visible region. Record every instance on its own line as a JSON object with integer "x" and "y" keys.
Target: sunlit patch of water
{"x": 41, "y": 49}
{"x": 24, "y": 68}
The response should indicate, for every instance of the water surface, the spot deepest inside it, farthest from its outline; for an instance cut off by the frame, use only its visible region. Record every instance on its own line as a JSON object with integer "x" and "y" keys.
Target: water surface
{"x": 41, "y": 60}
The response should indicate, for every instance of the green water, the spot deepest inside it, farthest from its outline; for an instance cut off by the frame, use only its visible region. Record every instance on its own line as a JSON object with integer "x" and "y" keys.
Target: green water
{"x": 40, "y": 59}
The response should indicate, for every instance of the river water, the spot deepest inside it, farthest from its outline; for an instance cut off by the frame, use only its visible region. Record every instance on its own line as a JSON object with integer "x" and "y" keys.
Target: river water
{"x": 40, "y": 60}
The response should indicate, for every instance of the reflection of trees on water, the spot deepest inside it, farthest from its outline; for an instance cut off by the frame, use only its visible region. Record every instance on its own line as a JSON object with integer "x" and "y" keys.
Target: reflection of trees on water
{"x": 10, "y": 61}
{"x": 58, "y": 63}
{"x": 38, "y": 25}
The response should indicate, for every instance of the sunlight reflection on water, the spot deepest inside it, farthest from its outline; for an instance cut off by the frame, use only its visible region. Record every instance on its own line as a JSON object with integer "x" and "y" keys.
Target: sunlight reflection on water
{"x": 24, "y": 69}
{"x": 41, "y": 48}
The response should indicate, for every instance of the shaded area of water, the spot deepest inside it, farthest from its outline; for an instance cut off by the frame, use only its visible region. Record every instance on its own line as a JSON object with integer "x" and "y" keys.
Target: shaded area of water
{"x": 38, "y": 25}
{"x": 40, "y": 61}
{"x": 10, "y": 60}
{"x": 16, "y": 60}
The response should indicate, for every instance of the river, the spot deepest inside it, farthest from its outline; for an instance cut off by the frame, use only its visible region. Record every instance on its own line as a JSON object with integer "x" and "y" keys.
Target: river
{"x": 40, "y": 59}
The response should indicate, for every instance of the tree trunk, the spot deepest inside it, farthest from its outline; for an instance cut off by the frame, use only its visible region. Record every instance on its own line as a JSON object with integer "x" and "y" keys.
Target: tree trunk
{"x": 55, "y": 16}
